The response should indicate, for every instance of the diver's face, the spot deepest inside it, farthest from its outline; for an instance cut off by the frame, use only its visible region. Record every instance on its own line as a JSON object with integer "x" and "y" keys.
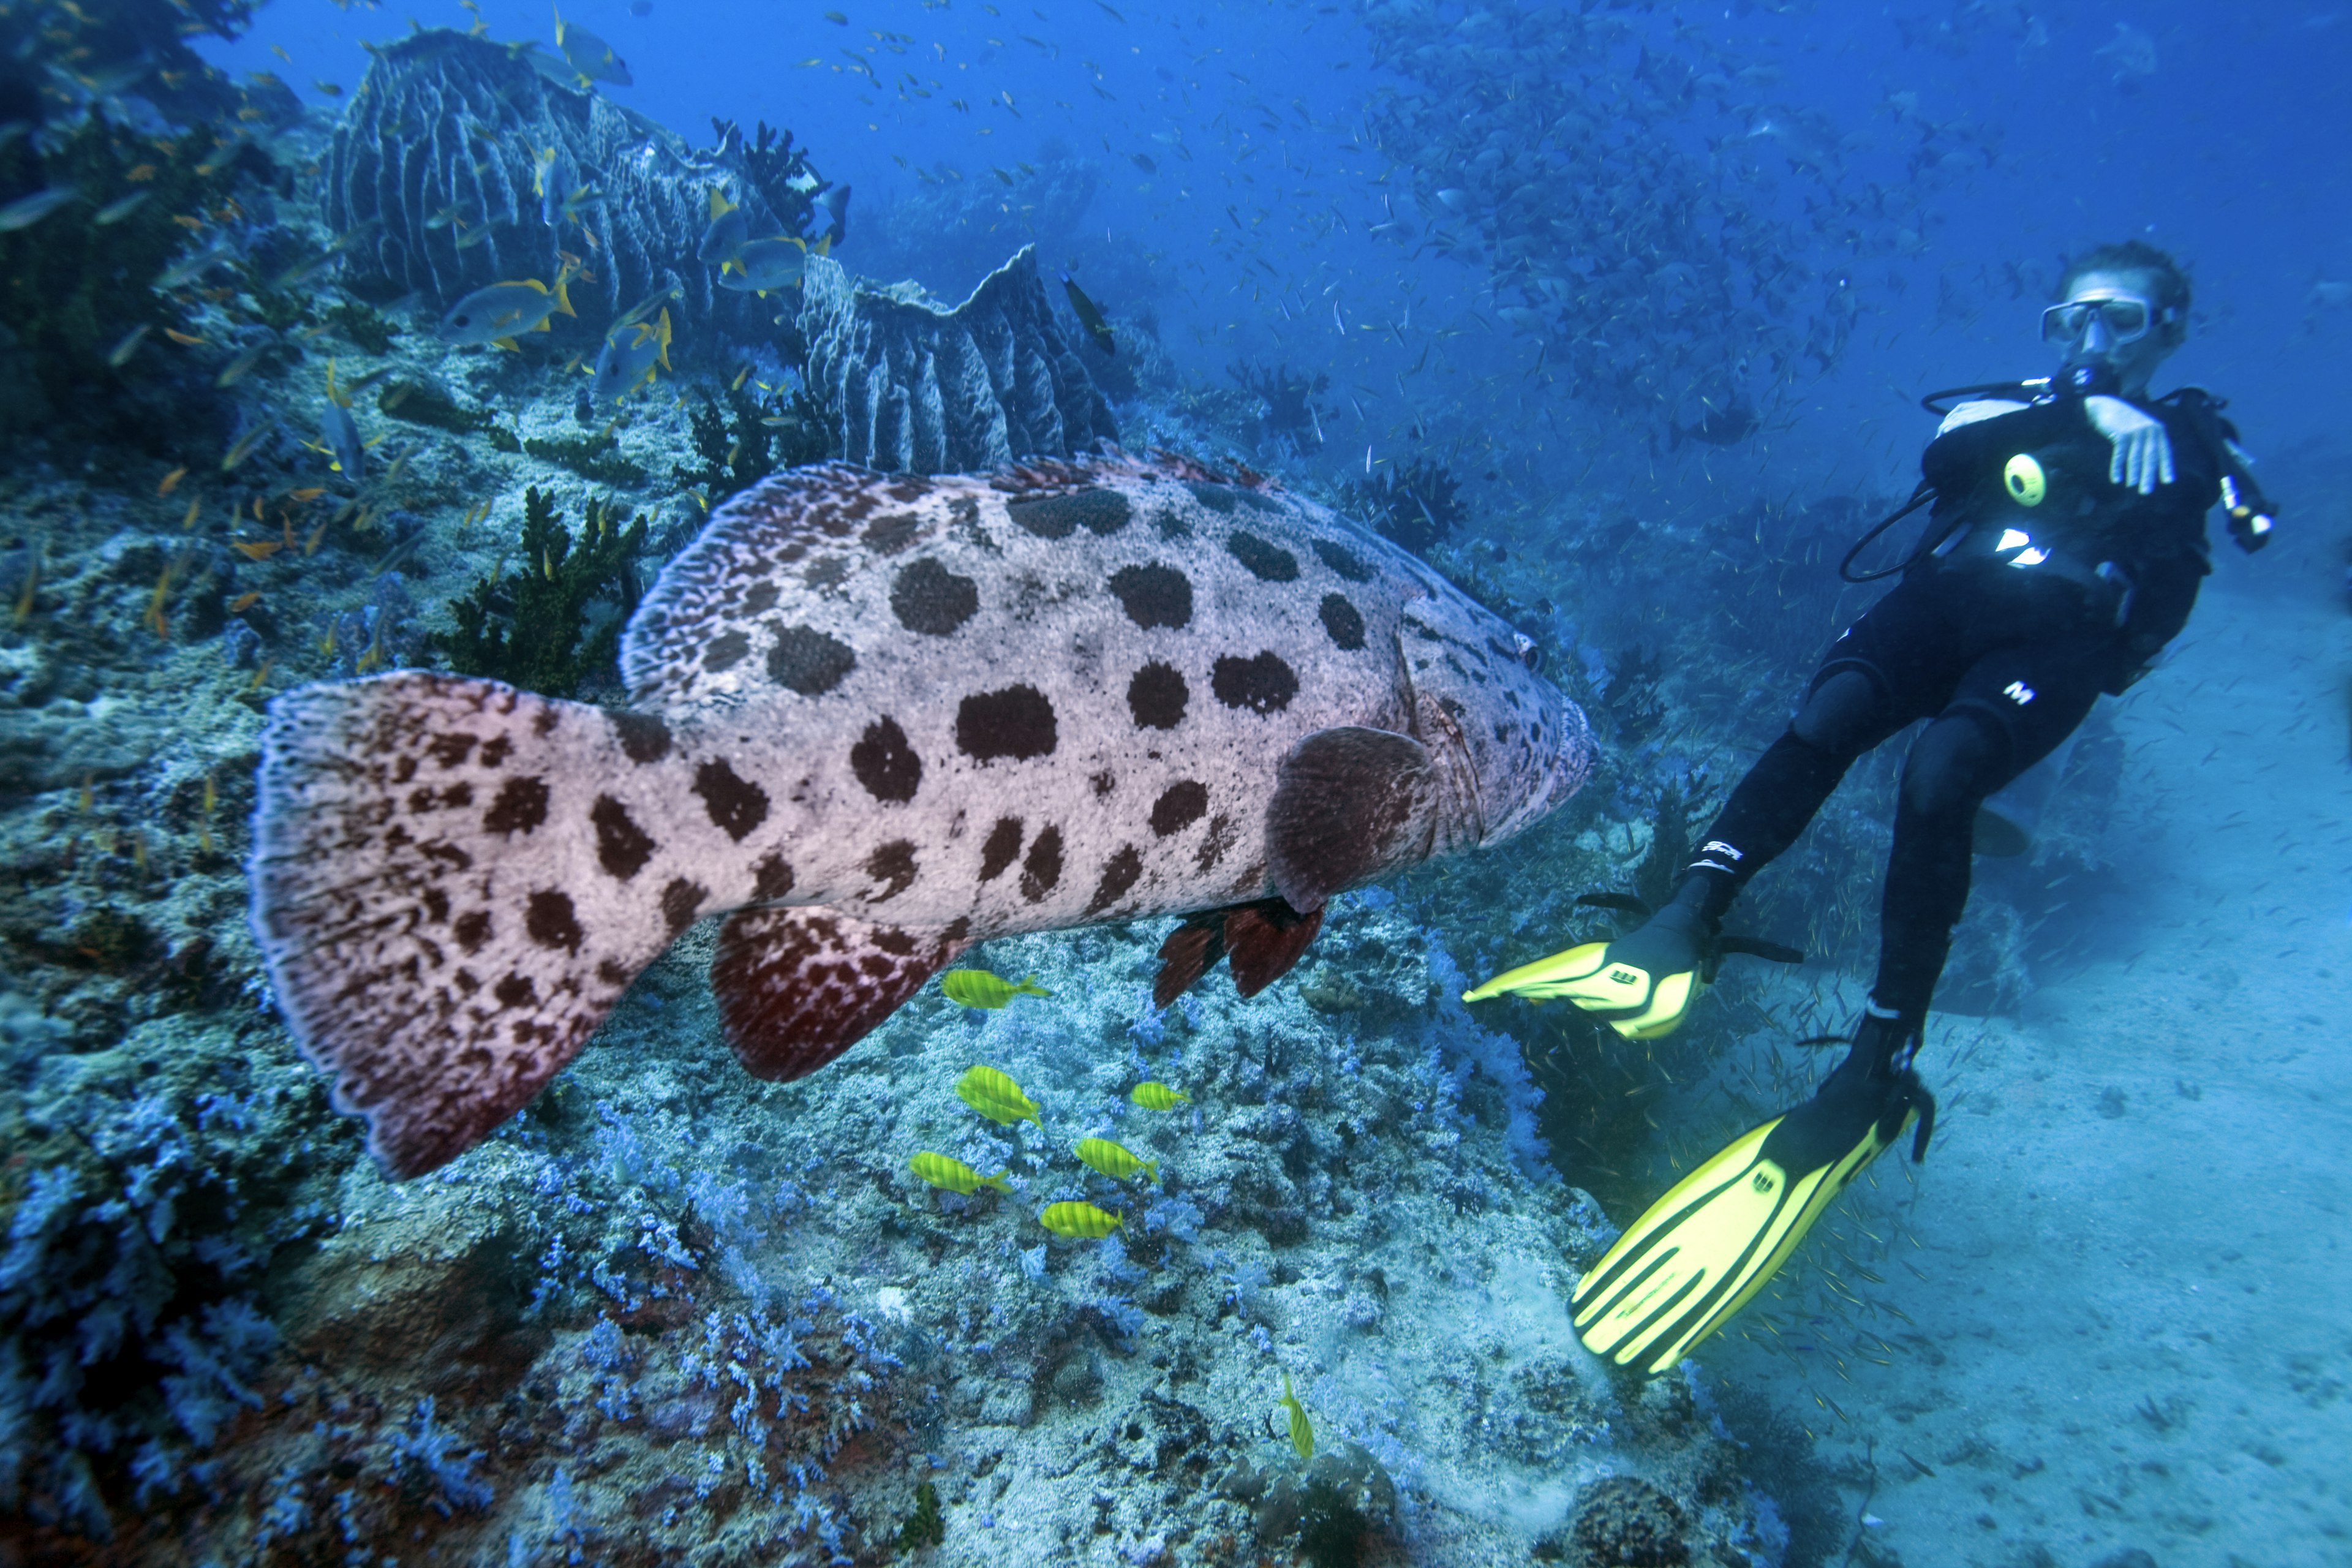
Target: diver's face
{"x": 2111, "y": 317}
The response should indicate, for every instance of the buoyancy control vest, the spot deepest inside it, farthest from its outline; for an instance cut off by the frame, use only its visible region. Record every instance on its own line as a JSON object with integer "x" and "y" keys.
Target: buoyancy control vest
{"x": 2022, "y": 496}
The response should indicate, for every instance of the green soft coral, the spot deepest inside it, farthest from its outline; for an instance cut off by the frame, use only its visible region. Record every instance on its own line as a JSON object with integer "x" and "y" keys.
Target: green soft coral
{"x": 555, "y": 625}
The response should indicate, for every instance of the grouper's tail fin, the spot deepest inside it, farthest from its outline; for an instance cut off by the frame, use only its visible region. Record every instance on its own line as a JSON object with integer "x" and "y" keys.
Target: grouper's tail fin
{"x": 438, "y": 889}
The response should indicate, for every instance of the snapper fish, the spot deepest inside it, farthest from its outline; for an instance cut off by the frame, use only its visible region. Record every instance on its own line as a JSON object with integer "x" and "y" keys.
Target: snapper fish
{"x": 760, "y": 264}
{"x": 873, "y": 719}
{"x": 496, "y": 315}
{"x": 632, "y": 350}
{"x": 589, "y": 56}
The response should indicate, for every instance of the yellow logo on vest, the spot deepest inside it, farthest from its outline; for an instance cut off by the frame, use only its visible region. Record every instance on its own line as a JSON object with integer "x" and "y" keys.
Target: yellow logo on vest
{"x": 2026, "y": 482}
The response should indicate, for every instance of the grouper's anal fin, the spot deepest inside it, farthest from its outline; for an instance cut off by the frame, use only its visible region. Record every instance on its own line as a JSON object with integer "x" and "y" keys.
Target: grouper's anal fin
{"x": 1264, "y": 939}
{"x": 798, "y": 986}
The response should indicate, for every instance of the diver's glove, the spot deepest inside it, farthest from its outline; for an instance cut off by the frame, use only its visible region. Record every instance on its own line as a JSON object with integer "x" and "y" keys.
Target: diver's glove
{"x": 2142, "y": 455}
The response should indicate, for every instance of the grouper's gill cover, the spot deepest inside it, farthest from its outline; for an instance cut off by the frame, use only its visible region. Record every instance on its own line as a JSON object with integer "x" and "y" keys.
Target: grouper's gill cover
{"x": 874, "y": 720}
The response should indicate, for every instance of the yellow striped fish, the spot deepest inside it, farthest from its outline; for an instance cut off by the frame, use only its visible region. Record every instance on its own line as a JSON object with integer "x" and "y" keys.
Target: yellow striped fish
{"x": 1158, "y": 1096}
{"x": 956, "y": 1176}
{"x": 1081, "y": 1220}
{"x": 1114, "y": 1160}
{"x": 996, "y": 1096}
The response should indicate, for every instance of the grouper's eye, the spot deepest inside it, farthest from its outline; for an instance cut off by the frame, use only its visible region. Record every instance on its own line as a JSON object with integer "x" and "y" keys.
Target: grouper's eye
{"x": 1531, "y": 653}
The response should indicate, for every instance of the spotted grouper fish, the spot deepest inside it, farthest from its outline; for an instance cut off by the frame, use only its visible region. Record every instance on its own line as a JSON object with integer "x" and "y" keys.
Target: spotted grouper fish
{"x": 872, "y": 720}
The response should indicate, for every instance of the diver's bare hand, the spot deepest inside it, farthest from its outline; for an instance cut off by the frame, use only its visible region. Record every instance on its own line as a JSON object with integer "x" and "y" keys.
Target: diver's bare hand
{"x": 2142, "y": 456}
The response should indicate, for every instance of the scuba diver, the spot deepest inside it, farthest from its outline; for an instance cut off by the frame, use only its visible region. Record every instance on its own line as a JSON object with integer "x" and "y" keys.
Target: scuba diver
{"x": 2065, "y": 546}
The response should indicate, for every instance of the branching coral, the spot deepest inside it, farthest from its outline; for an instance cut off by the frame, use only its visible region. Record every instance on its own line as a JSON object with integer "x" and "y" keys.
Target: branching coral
{"x": 556, "y": 623}
{"x": 1417, "y": 505}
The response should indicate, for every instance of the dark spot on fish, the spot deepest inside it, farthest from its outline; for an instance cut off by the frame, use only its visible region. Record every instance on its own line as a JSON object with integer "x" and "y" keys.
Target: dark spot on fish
{"x": 1342, "y": 621}
{"x": 549, "y": 921}
{"x": 543, "y": 723}
{"x": 907, "y": 487}
{"x": 760, "y": 598}
{"x": 516, "y": 990}
{"x": 827, "y": 571}
{"x": 1153, "y": 595}
{"x": 771, "y": 878}
{"x": 889, "y": 535}
{"x": 808, "y": 661}
{"x": 679, "y": 902}
{"x": 472, "y": 929}
{"x": 736, "y": 804}
{"x": 1017, "y": 723}
{"x": 727, "y": 650}
{"x": 1343, "y": 561}
{"x": 957, "y": 928}
{"x": 495, "y": 750}
{"x": 1171, "y": 524}
{"x": 1180, "y": 806}
{"x": 622, "y": 846}
{"x": 1216, "y": 497}
{"x": 1103, "y": 783}
{"x": 1262, "y": 685}
{"x": 1043, "y": 867}
{"x": 644, "y": 738}
{"x": 521, "y": 806}
{"x": 436, "y": 905}
{"x": 893, "y": 866}
{"x": 1268, "y": 561}
{"x": 451, "y": 751}
{"x": 885, "y": 763}
{"x": 403, "y": 770}
{"x": 893, "y": 939}
{"x": 1217, "y": 842}
{"x": 1120, "y": 872}
{"x": 930, "y": 599}
{"x": 616, "y": 976}
{"x": 1000, "y": 849}
{"x": 1157, "y": 697}
{"x": 1099, "y": 512}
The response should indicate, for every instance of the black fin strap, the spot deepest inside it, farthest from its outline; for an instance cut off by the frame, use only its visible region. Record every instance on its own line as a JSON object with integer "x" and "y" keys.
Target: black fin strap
{"x": 1923, "y": 1102}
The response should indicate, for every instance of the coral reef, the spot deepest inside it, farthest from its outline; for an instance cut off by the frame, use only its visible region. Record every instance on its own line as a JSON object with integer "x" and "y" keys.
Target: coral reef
{"x": 553, "y": 625}
{"x": 1290, "y": 421}
{"x": 783, "y": 431}
{"x": 1417, "y": 505}
{"x": 912, "y": 386}
{"x": 438, "y": 144}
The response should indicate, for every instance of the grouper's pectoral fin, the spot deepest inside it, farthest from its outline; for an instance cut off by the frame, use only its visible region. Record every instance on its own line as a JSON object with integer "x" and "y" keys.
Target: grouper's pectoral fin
{"x": 1263, "y": 939}
{"x": 1349, "y": 804}
{"x": 799, "y": 987}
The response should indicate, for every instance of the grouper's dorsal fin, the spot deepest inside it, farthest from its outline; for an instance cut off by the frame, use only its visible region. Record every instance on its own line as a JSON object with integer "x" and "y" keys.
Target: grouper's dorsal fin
{"x": 756, "y": 601}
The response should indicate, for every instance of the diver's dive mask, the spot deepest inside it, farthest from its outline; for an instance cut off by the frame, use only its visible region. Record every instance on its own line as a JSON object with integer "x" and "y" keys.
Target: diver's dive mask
{"x": 2126, "y": 319}
{"x": 2101, "y": 329}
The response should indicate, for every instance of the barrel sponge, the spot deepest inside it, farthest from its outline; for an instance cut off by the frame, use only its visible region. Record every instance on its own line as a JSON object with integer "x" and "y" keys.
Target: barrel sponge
{"x": 911, "y": 385}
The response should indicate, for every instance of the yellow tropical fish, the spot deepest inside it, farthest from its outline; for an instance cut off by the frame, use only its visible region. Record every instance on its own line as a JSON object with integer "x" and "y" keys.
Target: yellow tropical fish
{"x": 996, "y": 1096}
{"x": 979, "y": 988}
{"x": 1080, "y": 1220}
{"x": 1158, "y": 1096}
{"x": 1302, "y": 1431}
{"x": 1114, "y": 1160}
{"x": 953, "y": 1174}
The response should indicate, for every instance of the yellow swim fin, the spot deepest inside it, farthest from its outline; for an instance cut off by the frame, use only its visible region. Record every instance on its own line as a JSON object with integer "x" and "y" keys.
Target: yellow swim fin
{"x": 1699, "y": 1253}
{"x": 1643, "y": 983}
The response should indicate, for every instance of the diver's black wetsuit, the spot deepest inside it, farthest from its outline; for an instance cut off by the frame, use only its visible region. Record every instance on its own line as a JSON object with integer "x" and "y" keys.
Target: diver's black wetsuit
{"x": 2003, "y": 637}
